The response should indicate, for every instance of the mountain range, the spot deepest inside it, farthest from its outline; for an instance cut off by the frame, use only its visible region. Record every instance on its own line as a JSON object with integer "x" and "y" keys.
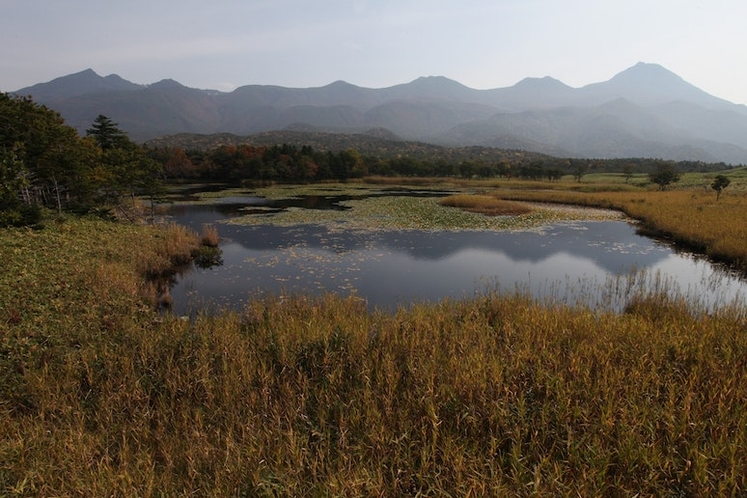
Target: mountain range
{"x": 643, "y": 111}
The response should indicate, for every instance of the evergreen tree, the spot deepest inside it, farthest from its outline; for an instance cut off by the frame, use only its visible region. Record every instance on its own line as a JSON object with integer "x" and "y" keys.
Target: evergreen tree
{"x": 107, "y": 133}
{"x": 45, "y": 163}
{"x": 126, "y": 169}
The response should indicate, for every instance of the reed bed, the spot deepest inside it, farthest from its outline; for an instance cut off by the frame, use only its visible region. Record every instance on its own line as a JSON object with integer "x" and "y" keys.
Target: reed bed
{"x": 300, "y": 396}
{"x": 209, "y": 236}
{"x": 485, "y": 204}
{"x": 691, "y": 218}
{"x": 369, "y": 210}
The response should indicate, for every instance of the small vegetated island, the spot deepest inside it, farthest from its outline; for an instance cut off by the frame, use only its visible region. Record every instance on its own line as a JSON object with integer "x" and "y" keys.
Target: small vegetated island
{"x": 487, "y": 205}
{"x": 101, "y": 394}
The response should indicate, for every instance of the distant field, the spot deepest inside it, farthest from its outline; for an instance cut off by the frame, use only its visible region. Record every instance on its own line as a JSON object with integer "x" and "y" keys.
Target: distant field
{"x": 738, "y": 177}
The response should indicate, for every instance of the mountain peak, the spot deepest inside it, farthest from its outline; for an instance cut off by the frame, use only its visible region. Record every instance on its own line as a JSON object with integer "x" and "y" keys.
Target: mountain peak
{"x": 648, "y": 84}
{"x": 535, "y": 93}
{"x": 339, "y": 84}
{"x": 85, "y": 77}
{"x": 436, "y": 82}
{"x": 433, "y": 87}
{"x": 76, "y": 84}
{"x": 86, "y": 72}
{"x": 545, "y": 82}
{"x": 166, "y": 84}
{"x": 647, "y": 73}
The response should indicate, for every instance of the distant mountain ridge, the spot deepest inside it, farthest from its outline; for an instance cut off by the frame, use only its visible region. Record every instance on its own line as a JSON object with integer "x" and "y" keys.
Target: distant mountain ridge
{"x": 77, "y": 84}
{"x": 643, "y": 111}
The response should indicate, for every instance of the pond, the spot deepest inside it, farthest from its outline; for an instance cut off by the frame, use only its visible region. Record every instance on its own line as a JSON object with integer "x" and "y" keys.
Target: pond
{"x": 599, "y": 263}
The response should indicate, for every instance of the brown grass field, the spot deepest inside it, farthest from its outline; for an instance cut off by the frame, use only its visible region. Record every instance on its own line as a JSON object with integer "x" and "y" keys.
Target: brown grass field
{"x": 101, "y": 395}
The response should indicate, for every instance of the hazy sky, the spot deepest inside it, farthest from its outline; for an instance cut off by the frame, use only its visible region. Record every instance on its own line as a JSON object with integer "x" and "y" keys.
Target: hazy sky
{"x": 222, "y": 44}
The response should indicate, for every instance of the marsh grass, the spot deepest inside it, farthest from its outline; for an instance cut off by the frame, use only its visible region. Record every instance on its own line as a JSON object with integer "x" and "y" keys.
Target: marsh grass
{"x": 370, "y": 210}
{"x": 298, "y": 395}
{"x": 209, "y": 236}
{"x": 691, "y": 218}
{"x": 484, "y": 204}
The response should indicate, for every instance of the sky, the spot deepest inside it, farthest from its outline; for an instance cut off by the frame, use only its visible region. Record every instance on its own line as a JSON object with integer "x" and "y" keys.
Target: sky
{"x": 224, "y": 44}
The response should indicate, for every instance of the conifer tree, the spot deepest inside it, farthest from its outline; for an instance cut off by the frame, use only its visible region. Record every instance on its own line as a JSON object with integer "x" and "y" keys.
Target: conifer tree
{"x": 107, "y": 133}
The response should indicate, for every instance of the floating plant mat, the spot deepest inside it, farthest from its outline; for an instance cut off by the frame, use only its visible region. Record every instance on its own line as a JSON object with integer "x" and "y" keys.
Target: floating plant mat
{"x": 374, "y": 208}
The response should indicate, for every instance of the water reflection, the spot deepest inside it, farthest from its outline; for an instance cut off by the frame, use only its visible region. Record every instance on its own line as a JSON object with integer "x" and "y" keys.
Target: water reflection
{"x": 389, "y": 269}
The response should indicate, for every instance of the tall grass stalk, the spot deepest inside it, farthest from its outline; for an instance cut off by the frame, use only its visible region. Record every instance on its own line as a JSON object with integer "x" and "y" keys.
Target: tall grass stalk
{"x": 209, "y": 236}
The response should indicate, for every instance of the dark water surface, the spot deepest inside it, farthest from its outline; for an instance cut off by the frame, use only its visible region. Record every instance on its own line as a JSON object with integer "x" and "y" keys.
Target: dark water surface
{"x": 567, "y": 262}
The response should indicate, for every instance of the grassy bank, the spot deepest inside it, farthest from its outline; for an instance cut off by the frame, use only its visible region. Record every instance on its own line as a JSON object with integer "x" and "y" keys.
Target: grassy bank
{"x": 100, "y": 395}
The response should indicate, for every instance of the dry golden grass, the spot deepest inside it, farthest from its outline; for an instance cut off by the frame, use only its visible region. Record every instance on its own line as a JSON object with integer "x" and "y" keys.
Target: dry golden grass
{"x": 691, "y": 218}
{"x": 493, "y": 396}
{"x": 166, "y": 249}
{"x": 485, "y": 204}
{"x": 209, "y": 236}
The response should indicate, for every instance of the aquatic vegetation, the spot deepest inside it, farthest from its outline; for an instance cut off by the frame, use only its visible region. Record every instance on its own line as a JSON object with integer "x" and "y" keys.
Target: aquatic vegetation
{"x": 374, "y": 210}
{"x": 209, "y": 236}
{"x": 485, "y": 204}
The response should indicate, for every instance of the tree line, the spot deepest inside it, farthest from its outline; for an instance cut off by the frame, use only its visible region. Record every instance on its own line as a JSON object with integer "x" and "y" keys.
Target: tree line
{"x": 294, "y": 164}
{"x": 45, "y": 164}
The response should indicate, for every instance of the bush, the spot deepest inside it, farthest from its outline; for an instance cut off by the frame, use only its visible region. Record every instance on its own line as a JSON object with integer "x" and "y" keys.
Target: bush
{"x": 20, "y": 215}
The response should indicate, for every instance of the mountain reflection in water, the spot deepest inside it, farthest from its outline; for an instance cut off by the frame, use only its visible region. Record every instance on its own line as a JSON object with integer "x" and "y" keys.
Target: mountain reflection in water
{"x": 395, "y": 268}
